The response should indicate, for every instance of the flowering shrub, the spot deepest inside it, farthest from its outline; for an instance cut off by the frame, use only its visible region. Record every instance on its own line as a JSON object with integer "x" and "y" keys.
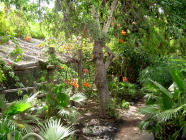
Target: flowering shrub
{"x": 86, "y": 84}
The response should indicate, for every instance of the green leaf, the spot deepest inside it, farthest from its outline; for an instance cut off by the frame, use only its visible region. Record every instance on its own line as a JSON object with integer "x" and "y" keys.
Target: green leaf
{"x": 184, "y": 130}
{"x": 17, "y": 108}
{"x": 178, "y": 79}
{"x": 63, "y": 99}
{"x": 149, "y": 110}
{"x": 175, "y": 135}
{"x": 163, "y": 90}
{"x": 20, "y": 106}
{"x": 17, "y": 135}
{"x": 2, "y": 103}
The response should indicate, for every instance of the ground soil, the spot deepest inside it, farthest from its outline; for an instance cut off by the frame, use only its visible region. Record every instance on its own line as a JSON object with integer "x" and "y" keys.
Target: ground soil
{"x": 91, "y": 127}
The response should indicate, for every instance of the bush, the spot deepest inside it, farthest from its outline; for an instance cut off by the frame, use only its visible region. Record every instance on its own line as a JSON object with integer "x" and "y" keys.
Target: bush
{"x": 157, "y": 71}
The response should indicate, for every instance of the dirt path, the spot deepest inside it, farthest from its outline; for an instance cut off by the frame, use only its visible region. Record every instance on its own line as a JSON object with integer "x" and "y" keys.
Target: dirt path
{"x": 129, "y": 129}
{"x": 91, "y": 127}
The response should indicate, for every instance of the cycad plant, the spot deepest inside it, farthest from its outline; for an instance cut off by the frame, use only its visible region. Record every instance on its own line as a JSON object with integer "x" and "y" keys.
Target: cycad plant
{"x": 165, "y": 109}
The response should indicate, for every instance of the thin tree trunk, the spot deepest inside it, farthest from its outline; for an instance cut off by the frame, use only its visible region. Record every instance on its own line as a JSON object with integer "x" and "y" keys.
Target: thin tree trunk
{"x": 100, "y": 78}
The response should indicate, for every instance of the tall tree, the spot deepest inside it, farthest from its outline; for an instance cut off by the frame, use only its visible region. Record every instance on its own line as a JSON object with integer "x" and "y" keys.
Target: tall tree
{"x": 95, "y": 18}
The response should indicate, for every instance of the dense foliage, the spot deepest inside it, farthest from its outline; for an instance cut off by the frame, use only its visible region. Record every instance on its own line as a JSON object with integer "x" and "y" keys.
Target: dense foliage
{"x": 147, "y": 39}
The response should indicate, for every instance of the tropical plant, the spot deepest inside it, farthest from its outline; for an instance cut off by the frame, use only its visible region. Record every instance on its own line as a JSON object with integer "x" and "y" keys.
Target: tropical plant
{"x": 158, "y": 70}
{"x": 13, "y": 123}
{"x": 124, "y": 90}
{"x": 70, "y": 113}
{"x": 53, "y": 130}
{"x": 9, "y": 130}
{"x": 165, "y": 108}
{"x": 125, "y": 104}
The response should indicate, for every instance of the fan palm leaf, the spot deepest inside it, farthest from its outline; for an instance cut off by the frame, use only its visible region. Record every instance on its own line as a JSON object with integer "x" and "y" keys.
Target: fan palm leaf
{"x": 53, "y": 130}
{"x": 78, "y": 97}
{"x": 69, "y": 114}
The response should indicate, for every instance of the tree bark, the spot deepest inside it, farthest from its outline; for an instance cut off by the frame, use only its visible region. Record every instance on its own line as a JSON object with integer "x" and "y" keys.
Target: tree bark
{"x": 100, "y": 78}
{"x": 101, "y": 67}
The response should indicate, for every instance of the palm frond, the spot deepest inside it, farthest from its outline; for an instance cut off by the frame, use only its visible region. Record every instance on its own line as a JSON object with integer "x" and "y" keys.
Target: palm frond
{"x": 78, "y": 97}
{"x": 30, "y": 99}
{"x": 6, "y": 128}
{"x": 17, "y": 107}
{"x": 162, "y": 89}
{"x": 20, "y": 106}
{"x": 150, "y": 110}
{"x": 144, "y": 124}
{"x": 184, "y": 130}
{"x": 175, "y": 135}
{"x": 70, "y": 114}
{"x": 53, "y": 130}
{"x": 169, "y": 114}
{"x": 178, "y": 78}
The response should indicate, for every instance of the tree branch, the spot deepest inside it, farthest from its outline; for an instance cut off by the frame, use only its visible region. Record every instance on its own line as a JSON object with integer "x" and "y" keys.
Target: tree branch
{"x": 109, "y": 57}
{"x": 110, "y": 14}
{"x": 95, "y": 16}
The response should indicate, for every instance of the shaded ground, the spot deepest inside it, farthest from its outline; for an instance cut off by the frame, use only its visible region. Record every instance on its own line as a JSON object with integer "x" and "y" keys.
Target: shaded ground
{"x": 91, "y": 127}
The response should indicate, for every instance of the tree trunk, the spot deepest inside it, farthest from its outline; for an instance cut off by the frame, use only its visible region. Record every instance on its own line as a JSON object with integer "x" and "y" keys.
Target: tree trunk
{"x": 100, "y": 78}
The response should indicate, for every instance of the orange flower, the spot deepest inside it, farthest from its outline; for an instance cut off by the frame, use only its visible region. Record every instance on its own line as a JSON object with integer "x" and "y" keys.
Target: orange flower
{"x": 28, "y": 39}
{"x": 40, "y": 45}
{"x": 61, "y": 67}
{"x": 121, "y": 41}
{"x": 86, "y": 84}
{"x": 85, "y": 71}
{"x": 71, "y": 82}
{"x": 125, "y": 79}
{"x": 123, "y": 32}
{"x": 74, "y": 83}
